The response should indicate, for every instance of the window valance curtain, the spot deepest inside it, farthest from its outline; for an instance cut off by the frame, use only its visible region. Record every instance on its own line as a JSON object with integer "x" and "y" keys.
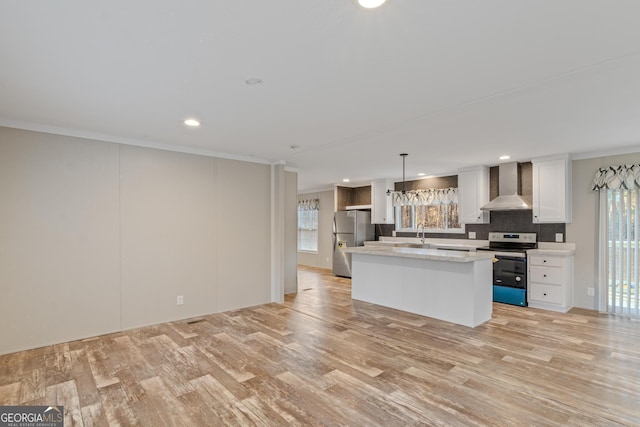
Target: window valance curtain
{"x": 309, "y": 205}
{"x": 617, "y": 177}
{"x": 431, "y": 196}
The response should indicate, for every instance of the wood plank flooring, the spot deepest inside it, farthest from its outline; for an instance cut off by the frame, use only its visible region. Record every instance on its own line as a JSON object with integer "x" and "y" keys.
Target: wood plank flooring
{"x": 322, "y": 359}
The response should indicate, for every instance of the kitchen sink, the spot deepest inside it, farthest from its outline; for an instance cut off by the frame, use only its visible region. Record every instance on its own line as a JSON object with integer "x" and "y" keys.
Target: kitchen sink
{"x": 414, "y": 245}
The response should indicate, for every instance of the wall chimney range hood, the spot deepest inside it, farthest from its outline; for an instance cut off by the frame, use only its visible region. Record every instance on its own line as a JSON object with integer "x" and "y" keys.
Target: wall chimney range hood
{"x": 508, "y": 198}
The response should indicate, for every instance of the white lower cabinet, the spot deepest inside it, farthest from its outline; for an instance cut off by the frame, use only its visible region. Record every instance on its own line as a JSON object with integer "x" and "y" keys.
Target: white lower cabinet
{"x": 550, "y": 280}
{"x": 547, "y": 294}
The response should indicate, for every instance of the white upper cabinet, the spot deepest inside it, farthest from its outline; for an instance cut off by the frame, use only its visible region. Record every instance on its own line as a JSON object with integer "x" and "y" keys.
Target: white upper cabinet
{"x": 473, "y": 193}
{"x": 552, "y": 190}
{"x": 381, "y": 203}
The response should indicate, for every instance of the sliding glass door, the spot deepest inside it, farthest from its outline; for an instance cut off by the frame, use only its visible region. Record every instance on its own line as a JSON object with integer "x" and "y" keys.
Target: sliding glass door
{"x": 622, "y": 227}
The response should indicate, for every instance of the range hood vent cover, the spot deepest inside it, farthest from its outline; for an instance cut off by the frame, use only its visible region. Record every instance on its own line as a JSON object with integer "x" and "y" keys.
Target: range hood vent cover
{"x": 508, "y": 198}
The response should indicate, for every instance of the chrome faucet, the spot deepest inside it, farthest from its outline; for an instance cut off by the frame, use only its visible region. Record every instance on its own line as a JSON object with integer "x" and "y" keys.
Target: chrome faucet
{"x": 421, "y": 226}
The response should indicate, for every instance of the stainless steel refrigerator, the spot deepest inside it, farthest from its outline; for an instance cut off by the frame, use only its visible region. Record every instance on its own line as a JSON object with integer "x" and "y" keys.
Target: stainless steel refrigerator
{"x": 350, "y": 228}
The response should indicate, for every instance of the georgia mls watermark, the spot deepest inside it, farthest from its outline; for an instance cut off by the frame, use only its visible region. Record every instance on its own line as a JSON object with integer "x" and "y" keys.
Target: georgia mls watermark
{"x": 31, "y": 416}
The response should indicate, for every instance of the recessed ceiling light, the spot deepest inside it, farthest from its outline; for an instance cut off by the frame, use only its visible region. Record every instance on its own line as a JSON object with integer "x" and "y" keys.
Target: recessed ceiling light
{"x": 346, "y": 180}
{"x": 253, "y": 82}
{"x": 370, "y": 4}
{"x": 192, "y": 122}
{"x": 504, "y": 157}
{"x": 421, "y": 174}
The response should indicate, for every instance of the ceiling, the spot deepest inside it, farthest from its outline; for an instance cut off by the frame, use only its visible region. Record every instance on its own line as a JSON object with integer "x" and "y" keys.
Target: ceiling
{"x": 454, "y": 83}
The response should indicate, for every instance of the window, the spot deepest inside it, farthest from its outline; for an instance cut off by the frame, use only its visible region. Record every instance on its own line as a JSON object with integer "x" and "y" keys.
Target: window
{"x": 308, "y": 225}
{"x": 619, "y": 238}
{"x": 435, "y": 210}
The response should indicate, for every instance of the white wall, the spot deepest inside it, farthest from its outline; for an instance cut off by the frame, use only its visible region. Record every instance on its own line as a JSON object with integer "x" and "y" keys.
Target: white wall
{"x": 583, "y": 231}
{"x": 97, "y": 237}
{"x": 59, "y": 239}
{"x": 243, "y": 242}
{"x": 291, "y": 233}
{"x": 168, "y": 235}
{"x": 324, "y": 257}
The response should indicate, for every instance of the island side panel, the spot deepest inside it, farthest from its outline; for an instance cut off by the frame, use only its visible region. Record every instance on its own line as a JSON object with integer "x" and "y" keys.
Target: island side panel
{"x": 483, "y": 290}
{"x": 377, "y": 279}
{"x": 439, "y": 289}
{"x": 457, "y": 292}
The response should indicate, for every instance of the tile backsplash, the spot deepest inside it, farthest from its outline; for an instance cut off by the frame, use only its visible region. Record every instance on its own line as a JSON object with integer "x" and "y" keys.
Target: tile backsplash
{"x": 516, "y": 221}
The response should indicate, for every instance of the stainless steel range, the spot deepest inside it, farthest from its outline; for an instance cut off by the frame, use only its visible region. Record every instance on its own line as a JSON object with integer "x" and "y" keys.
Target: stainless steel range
{"x": 510, "y": 265}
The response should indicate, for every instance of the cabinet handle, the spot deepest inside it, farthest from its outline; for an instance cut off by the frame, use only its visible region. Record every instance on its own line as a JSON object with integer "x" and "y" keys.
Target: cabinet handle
{"x": 544, "y": 275}
{"x": 545, "y": 294}
{"x": 544, "y": 260}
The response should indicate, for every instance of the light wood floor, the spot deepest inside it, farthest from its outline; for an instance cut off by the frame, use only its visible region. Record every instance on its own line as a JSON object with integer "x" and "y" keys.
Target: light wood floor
{"x": 323, "y": 359}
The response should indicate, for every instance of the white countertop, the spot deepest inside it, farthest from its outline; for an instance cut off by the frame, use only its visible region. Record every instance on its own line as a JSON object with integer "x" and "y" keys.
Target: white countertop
{"x": 556, "y": 252}
{"x": 382, "y": 243}
{"x": 419, "y": 253}
{"x": 472, "y": 243}
{"x": 552, "y": 248}
{"x": 460, "y": 244}
{"x": 544, "y": 248}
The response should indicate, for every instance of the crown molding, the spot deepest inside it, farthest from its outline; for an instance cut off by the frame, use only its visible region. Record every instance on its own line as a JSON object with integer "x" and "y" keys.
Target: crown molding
{"x": 35, "y": 127}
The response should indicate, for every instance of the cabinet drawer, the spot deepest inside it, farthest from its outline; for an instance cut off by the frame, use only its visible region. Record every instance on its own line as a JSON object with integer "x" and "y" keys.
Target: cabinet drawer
{"x": 548, "y": 261}
{"x": 546, "y": 275}
{"x": 545, "y": 293}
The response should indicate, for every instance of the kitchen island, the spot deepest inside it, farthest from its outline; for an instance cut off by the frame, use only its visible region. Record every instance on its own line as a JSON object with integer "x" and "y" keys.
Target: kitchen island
{"x": 453, "y": 286}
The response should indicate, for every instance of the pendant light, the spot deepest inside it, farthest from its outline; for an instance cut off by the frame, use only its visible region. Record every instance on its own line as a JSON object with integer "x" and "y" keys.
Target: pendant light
{"x": 403, "y": 192}
{"x": 421, "y": 197}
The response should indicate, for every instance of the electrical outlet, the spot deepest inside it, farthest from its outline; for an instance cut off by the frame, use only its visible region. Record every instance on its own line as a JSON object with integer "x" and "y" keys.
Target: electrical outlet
{"x": 559, "y": 237}
{"x": 472, "y": 234}
{"x": 590, "y": 292}
{"x": 180, "y": 300}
